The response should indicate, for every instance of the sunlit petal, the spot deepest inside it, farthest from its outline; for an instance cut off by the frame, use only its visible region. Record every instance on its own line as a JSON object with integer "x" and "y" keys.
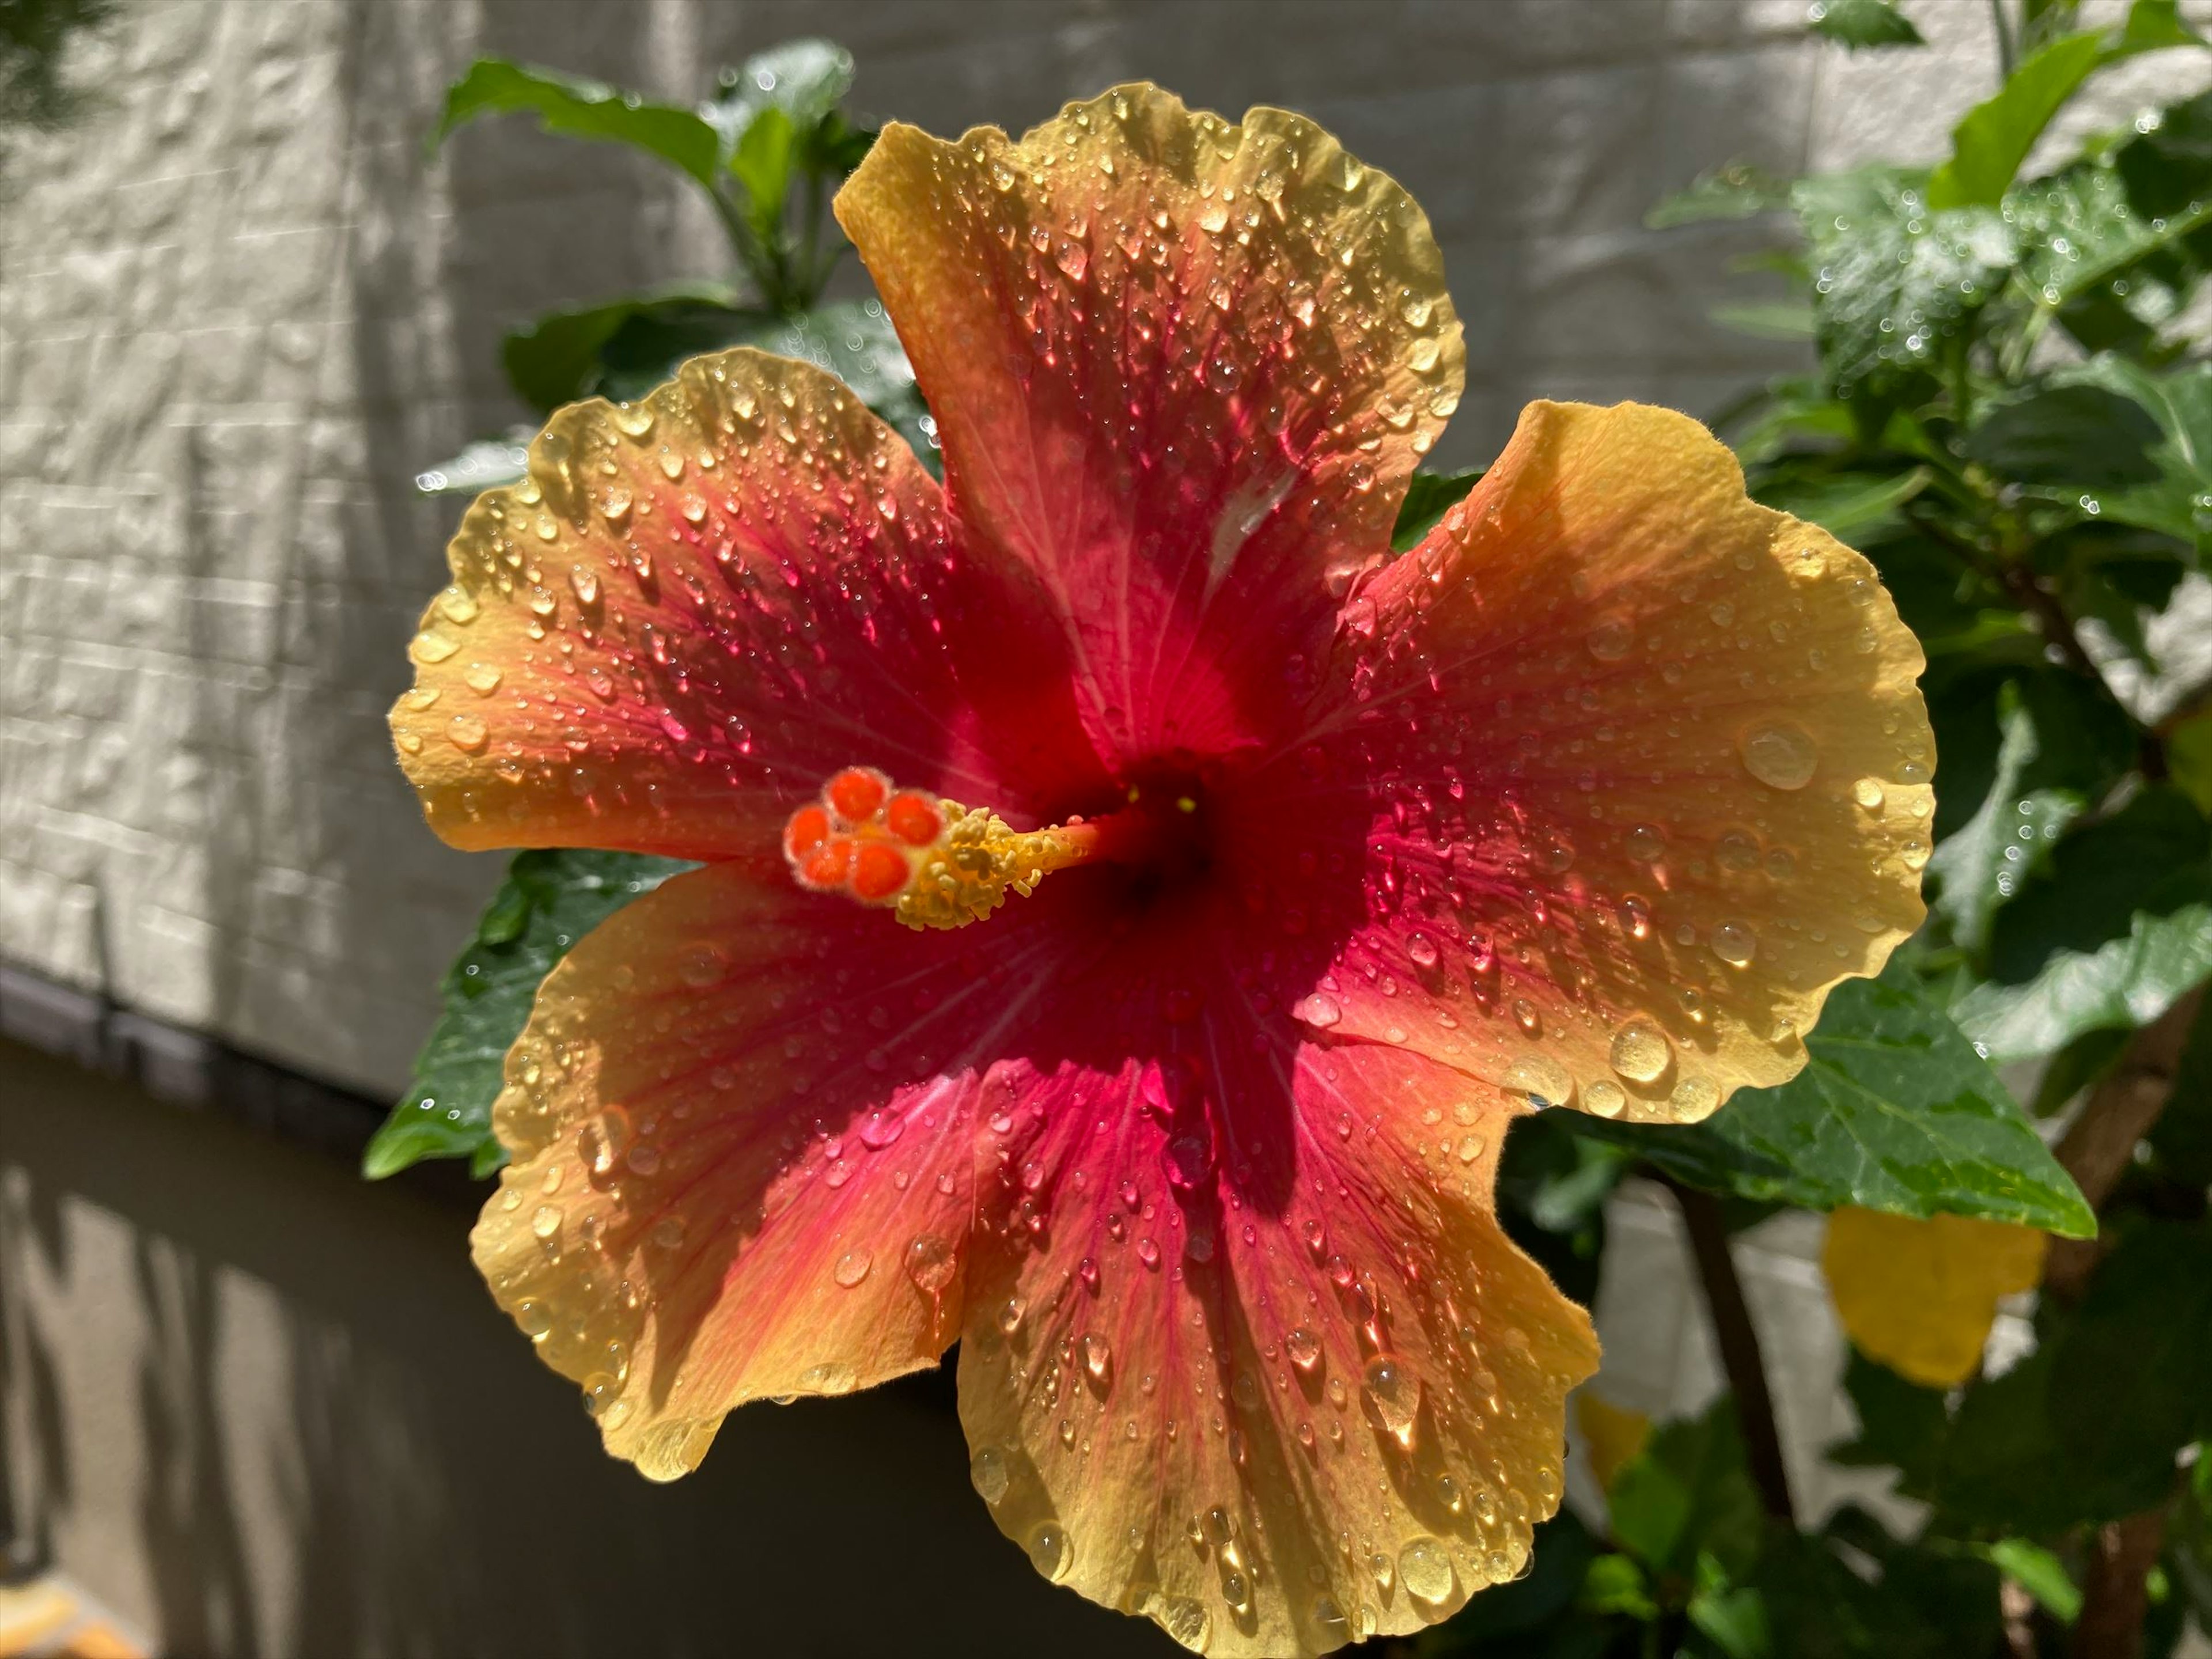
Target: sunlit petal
{"x": 1182, "y": 368}
{"x": 695, "y": 608}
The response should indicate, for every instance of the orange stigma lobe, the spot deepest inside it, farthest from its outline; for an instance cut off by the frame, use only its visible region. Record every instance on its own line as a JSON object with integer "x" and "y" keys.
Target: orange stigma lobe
{"x": 936, "y": 863}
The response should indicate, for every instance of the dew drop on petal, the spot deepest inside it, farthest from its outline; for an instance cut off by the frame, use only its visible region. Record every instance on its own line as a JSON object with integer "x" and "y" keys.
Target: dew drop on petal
{"x": 1047, "y": 1548}
{"x": 1780, "y": 755}
{"x": 1735, "y": 944}
{"x": 1694, "y": 1100}
{"x": 1394, "y": 1393}
{"x": 1640, "y": 1053}
{"x": 988, "y": 1472}
{"x": 930, "y": 1263}
{"x": 853, "y": 1267}
{"x": 1546, "y": 1082}
{"x": 1425, "y": 1570}
{"x": 1605, "y": 1099}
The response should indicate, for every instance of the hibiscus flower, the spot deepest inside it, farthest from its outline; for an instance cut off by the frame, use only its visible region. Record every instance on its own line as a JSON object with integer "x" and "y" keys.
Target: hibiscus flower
{"x": 1255, "y": 879}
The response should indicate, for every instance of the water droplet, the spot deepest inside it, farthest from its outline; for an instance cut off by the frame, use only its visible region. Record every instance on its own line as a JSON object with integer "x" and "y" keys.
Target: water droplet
{"x": 1867, "y": 792}
{"x": 545, "y": 1220}
{"x": 1640, "y": 1053}
{"x": 830, "y": 1376}
{"x": 1395, "y": 1394}
{"x": 989, "y": 1472}
{"x": 1047, "y": 1548}
{"x": 1780, "y": 756}
{"x": 1423, "y": 951}
{"x": 853, "y": 1267}
{"x": 1186, "y": 1621}
{"x": 1303, "y": 1348}
{"x": 468, "y": 734}
{"x": 930, "y": 1263}
{"x": 1734, "y": 943}
{"x": 1609, "y": 642}
{"x": 1546, "y": 1082}
{"x": 1098, "y": 1357}
{"x": 1319, "y": 1011}
{"x": 1424, "y": 1568}
{"x": 1605, "y": 1099}
{"x": 1645, "y": 844}
{"x": 483, "y": 677}
{"x": 1010, "y": 1315}
{"x": 1694, "y": 1100}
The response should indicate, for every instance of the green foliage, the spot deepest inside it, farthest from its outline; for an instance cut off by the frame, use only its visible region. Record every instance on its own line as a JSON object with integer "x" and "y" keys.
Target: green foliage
{"x": 1428, "y": 498}
{"x": 549, "y": 901}
{"x": 1862, "y": 23}
{"x": 1894, "y": 1111}
{"x": 577, "y": 108}
{"x": 769, "y": 149}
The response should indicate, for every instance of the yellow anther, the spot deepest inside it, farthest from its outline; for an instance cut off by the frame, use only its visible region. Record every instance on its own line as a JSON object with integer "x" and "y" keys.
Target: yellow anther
{"x": 979, "y": 858}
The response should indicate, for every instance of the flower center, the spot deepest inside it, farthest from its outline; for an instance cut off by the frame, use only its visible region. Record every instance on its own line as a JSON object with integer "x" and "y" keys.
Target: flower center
{"x": 939, "y": 864}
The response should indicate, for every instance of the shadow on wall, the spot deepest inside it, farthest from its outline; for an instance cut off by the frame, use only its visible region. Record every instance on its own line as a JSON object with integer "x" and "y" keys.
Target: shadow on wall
{"x": 264, "y": 1410}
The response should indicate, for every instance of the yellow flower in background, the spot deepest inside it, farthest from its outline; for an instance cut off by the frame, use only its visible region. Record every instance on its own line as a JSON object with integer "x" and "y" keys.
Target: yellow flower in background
{"x": 1921, "y": 1296}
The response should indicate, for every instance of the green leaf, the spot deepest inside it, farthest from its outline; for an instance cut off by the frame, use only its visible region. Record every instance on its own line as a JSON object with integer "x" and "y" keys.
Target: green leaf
{"x": 1992, "y": 140}
{"x": 2178, "y": 503}
{"x": 1853, "y": 506}
{"x": 2060, "y": 748}
{"x": 2111, "y": 933}
{"x": 2153, "y": 24}
{"x": 1897, "y": 281}
{"x": 1688, "y": 1493}
{"x": 1902, "y": 1425}
{"x": 624, "y": 349}
{"x": 1734, "y": 191}
{"x": 805, "y": 79}
{"x": 763, "y": 162}
{"x": 560, "y": 357}
{"x": 577, "y": 108}
{"x": 2151, "y": 1301}
{"x": 1616, "y": 1585}
{"x": 2189, "y": 758}
{"x": 484, "y": 464}
{"x": 548, "y": 902}
{"x": 1894, "y": 1111}
{"x": 1429, "y": 496}
{"x": 1927, "y": 1603}
{"x": 1860, "y": 24}
{"x": 2079, "y": 437}
{"x": 2039, "y": 1572}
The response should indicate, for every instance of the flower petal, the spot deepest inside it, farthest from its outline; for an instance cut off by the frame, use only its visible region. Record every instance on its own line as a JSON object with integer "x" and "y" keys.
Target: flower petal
{"x": 742, "y": 1120}
{"x": 695, "y": 608}
{"x": 1268, "y": 1372}
{"x": 1640, "y": 770}
{"x": 1921, "y": 1296}
{"x": 1180, "y": 367}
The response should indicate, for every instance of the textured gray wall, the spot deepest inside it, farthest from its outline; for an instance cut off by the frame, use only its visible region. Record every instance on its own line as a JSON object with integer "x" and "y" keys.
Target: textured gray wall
{"x": 240, "y": 308}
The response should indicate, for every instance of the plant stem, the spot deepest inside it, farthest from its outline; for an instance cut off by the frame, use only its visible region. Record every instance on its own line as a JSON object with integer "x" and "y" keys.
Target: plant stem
{"x": 2007, "y": 55}
{"x": 2098, "y": 1148}
{"x": 2096, "y": 1151}
{"x": 2116, "y": 1594}
{"x": 2032, "y": 597}
{"x": 1738, "y": 1340}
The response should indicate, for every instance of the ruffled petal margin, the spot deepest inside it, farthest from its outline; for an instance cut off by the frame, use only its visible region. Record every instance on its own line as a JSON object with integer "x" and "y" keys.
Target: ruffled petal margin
{"x": 1180, "y": 368}
{"x": 1640, "y": 769}
{"x": 697, "y": 607}
{"x": 1266, "y": 1371}
{"x": 743, "y": 1123}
